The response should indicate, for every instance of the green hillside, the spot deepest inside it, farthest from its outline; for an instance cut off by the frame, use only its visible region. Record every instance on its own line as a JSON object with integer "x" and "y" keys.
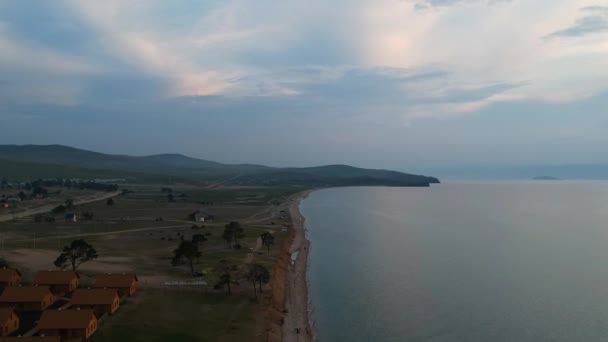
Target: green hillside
{"x": 63, "y": 161}
{"x": 16, "y": 170}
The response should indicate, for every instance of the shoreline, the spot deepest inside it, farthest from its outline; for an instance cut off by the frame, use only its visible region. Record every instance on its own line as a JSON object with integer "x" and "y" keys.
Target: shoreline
{"x": 297, "y": 323}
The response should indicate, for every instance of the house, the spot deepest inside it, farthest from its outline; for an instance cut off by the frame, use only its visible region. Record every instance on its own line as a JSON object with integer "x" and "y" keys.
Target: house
{"x": 70, "y": 217}
{"x": 125, "y": 283}
{"x": 9, "y": 321}
{"x": 102, "y": 301}
{"x": 9, "y": 277}
{"x": 60, "y": 282}
{"x": 27, "y": 298}
{"x": 201, "y": 216}
{"x": 31, "y": 339}
{"x": 68, "y": 324}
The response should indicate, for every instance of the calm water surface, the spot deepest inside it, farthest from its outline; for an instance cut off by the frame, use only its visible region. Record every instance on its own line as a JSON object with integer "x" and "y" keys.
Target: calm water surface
{"x": 510, "y": 261}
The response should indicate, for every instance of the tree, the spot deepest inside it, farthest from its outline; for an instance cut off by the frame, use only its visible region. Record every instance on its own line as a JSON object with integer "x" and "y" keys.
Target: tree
{"x": 170, "y": 198}
{"x": 267, "y": 240}
{"x": 198, "y": 238}
{"x": 69, "y": 204}
{"x": 257, "y": 275}
{"x": 234, "y": 230}
{"x": 77, "y": 253}
{"x": 38, "y": 190}
{"x": 227, "y": 235}
{"x": 3, "y": 183}
{"x": 110, "y": 201}
{"x": 226, "y": 274}
{"x": 87, "y": 216}
{"x": 187, "y": 250}
{"x": 59, "y": 209}
{"x": 4, "y": 263}
{"x": 21, "y": 195}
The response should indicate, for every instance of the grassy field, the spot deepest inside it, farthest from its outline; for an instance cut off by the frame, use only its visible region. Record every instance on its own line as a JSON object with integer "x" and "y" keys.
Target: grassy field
{"x": 157, "y": 315}
{"x": 128, "y": 238}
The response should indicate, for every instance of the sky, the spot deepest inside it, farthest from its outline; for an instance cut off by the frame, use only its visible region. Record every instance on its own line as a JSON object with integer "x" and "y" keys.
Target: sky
{"x": 400, "y": 84}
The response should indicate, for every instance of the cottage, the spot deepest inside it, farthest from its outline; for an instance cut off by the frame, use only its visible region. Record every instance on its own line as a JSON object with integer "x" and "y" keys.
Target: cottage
{"x": 102, "y": 301}
{"x": 31, "y": 339}
{"x": 9, "y": 277}
{"x": 201, "y": 216}
{"x": 70, "y": 217}
{"x": 9, "y": 321}
{"x": 125, "y": 283}
{"x": 68, "y": 324}
{"x": 60, "y": 282}
{"x": 27, "y": 298}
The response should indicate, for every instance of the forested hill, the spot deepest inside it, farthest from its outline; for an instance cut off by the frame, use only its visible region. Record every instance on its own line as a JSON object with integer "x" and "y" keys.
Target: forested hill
{"x": 68, "y": 160}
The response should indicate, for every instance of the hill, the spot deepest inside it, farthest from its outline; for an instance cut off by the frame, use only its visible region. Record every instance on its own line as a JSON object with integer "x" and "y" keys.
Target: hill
{"x": 27, "y": 171}
{"x": 77, "y": 161}
{"x": 545, "y": 178}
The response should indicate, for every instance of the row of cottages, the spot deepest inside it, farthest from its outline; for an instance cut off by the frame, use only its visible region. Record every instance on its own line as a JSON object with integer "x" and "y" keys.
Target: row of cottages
{"x": 77, "y": 322}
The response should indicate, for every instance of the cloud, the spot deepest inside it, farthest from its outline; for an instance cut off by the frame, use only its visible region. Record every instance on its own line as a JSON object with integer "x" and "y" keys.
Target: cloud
{"x": 427, "y": 4}
{"x": 594, "y": 19}
{"x": 375, "y": 61}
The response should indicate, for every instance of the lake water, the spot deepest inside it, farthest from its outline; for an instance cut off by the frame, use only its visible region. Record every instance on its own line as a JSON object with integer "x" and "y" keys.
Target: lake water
{"x": 509, "y": 261}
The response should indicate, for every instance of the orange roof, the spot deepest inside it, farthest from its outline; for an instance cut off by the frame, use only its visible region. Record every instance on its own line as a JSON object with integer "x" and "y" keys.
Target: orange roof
{"x": 115, "y": 279}
{"x": 24, "y": 294}
{"x": 31, "y": 339}
{"x": 7, "y": 273}
{"x": 66, "y": 319}
{"x": 55, "y": 277}
{"x": 5, "y": 314}
{"x": 94, "y": 296}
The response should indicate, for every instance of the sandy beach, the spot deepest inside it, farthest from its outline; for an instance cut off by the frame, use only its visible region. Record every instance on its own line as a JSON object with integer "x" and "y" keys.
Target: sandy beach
{"x": 297, "y": 326}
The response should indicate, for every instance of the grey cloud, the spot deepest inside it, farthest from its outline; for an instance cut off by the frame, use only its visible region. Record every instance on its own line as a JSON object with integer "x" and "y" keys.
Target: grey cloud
{"x": 594, "y": 20}
{"x": 371, "y": 85}
{"x": 427, "y": 4}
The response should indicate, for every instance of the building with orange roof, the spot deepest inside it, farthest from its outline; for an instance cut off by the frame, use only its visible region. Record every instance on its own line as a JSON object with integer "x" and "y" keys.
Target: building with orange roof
{"x": 27, "y": 298}
{"x": 31, "y": 339}
{"x": 125, "y": 283}
{"x": 60, "y": 282}
{"x": 9, "y": 277}
{"x": 102, "y": 301}
{"x": 9, "y": 321}
{"x": 68, "y": 324}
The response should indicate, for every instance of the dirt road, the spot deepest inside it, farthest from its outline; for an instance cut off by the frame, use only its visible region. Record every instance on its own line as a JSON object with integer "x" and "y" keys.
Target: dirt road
{"x": 49, "y": 207}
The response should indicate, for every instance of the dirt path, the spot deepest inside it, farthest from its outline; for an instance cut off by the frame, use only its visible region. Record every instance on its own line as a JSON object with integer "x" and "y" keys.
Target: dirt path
{"x": 256, "y": 248}
{"x": 102, "y": 233}
{"x": 297, "y": 326}
{"x": 49, "y": 207}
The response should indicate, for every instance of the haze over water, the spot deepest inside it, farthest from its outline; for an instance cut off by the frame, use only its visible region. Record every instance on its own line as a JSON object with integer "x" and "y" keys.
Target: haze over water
{"x": 508, "y": 261}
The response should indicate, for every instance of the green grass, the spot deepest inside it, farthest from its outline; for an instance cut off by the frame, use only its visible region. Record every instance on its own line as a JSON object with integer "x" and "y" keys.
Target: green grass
{"x": 182, "y": 316}
{"x": 248, "y": 196}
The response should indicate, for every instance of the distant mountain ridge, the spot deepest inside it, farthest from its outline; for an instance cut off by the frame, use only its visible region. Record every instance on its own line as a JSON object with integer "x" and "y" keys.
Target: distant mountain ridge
{"x": 208, "y": 171}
